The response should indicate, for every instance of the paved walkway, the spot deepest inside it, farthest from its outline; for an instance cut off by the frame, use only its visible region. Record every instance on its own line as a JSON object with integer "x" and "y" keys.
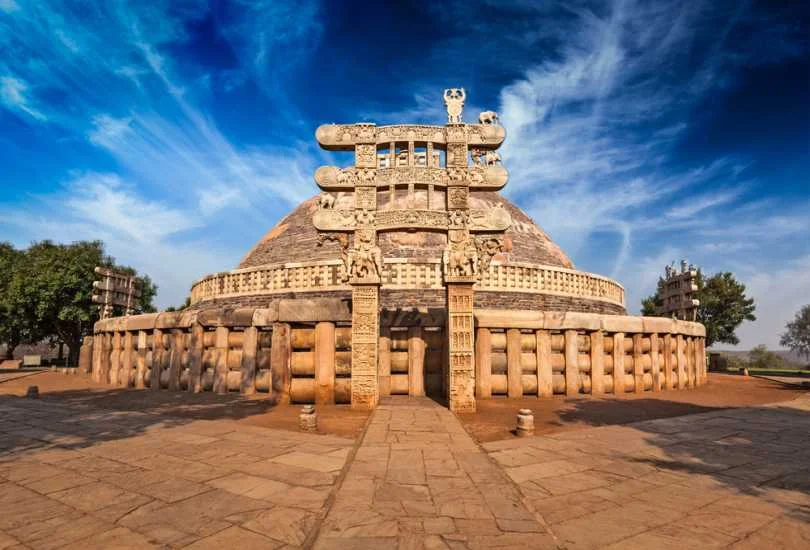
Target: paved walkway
{"x": 419, "y": 481}
{"x": 73, "y": 477}
{"x": 81, "y": 477}
{"x": 737, "y": 478}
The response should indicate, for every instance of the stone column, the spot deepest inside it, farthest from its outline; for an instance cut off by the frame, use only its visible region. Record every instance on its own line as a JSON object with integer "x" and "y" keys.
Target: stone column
{"x": 125, "y": 369}
{"x": 638, "y": 368}
{"x": 176, "y": 359}
{"x": 157, "y": 359}
{"x": 681, "y": 359}
{"x": 483, "y": 364}
{"x": 280, "y": 354}
{"x": 384, "y": 362}
{"x": 115, "y": 361}
{"x": 545, "y": 384}
{"x": 365, "y": 338}
{"x": 247, "y": 385}
{"x": 618, "y": 363}
{"x": 461, "y": 383}
{"x": 325, "y": 363}
{"x": 655, "y": 363}
{"x": 140, "y": 361}
{"x": 221, "y": 368}
{"x": 514, "y": 369}
{"x": 668, "y": 361}
{"x": 416, "y": 361}
{"x": 571, "y": 363}
{"x": 195, "y": 355}
{"x": 98, "y": 346}
{"x": 597, "y": 363}
{"x": 86, "y": 355}
{"x": 700, "y": 358}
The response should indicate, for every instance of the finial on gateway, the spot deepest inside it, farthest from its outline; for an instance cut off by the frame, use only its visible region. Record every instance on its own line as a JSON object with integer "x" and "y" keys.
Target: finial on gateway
{"x": 454, "y": 101}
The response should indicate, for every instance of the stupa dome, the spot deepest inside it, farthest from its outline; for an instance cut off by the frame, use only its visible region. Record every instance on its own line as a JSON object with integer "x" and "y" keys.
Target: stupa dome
{"x": 268, "y": 271}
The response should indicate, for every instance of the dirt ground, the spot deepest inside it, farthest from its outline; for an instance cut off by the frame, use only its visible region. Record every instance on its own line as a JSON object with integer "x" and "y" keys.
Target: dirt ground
{"x": 493, "y": 421}
{"x": 495, "y": 418}
{"x": 257, "y": 411}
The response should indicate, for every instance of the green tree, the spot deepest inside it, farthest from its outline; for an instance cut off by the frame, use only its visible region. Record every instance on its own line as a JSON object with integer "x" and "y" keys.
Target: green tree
{"x": 54, "y": 286}
{"x": 723, "y": 306}
{"x": 760, "y": 358}
{"x": 15, "y": 328}
{"x": 797, "y": 336}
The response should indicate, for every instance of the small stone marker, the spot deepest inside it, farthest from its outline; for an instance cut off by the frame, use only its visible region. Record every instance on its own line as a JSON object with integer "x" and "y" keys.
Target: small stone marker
{"x": 744, "y": 371}
{"x": 525, "y": 423}
{"x": 33, "y": 392}
{"x": 308, "y": 419}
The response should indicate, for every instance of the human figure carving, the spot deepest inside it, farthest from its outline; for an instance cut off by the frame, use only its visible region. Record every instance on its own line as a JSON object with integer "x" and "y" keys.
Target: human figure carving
{"x": 454, "y": 101}
{"x": 366, "y": 259}
{"x": 326, "y": 201}
{"x": 460, "y": 258}
{"x": 488, "y": 118}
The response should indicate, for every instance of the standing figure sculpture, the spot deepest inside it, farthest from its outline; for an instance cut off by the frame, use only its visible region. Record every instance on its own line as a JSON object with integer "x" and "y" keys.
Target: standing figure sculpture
{"x": 454, "y": 101}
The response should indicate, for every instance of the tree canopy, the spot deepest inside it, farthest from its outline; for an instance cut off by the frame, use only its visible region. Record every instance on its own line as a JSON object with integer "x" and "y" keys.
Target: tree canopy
{"x": 797, "y": 334}
{"x": 723, "y": 306}
{"x": 48, "y": 292}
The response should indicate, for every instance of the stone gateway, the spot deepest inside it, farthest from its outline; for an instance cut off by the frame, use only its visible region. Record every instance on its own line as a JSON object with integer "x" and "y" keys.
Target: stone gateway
{"x": 409, "y": 274}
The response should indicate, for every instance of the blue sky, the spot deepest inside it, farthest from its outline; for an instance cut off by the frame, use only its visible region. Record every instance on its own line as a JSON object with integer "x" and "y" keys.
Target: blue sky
{"x": 638, "y": 132}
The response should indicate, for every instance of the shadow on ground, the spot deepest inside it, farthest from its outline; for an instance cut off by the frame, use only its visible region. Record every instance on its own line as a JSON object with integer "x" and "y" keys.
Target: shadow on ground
{"x": 762, "y": 452}
{"x": 81, "y": 417}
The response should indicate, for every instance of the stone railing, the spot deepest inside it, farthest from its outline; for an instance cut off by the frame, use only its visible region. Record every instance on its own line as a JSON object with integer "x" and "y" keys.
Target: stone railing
{"x": 401, "y": 273}
{"x": 521, "y": 353}
{"x": 300, "y": 351}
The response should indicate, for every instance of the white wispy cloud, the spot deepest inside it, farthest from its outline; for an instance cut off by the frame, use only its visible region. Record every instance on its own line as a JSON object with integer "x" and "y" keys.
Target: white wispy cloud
{"x": 13, "y": 94}
{"x": 181, "y": 190}
{"x": 592, "y": 131}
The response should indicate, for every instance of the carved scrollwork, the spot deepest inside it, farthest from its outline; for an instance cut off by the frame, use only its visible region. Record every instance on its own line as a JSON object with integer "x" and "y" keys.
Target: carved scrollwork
{"x": 488, "y": 248}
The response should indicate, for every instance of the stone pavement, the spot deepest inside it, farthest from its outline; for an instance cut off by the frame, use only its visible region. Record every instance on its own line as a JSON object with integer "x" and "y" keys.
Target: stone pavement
{"x": 419, "y": 481}
{"x": 77, "y": 476}
{"x": 737, "y": 478}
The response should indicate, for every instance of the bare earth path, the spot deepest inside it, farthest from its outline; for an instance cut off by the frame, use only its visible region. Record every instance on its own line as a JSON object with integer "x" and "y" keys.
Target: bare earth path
{"x": 74, "y": 474}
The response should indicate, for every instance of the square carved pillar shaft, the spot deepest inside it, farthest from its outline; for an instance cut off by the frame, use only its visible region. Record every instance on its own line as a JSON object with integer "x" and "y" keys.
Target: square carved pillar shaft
{"x": 221, "y": 367}
{"x": 365, "y": 339}
{"x": 461, "y": 383}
